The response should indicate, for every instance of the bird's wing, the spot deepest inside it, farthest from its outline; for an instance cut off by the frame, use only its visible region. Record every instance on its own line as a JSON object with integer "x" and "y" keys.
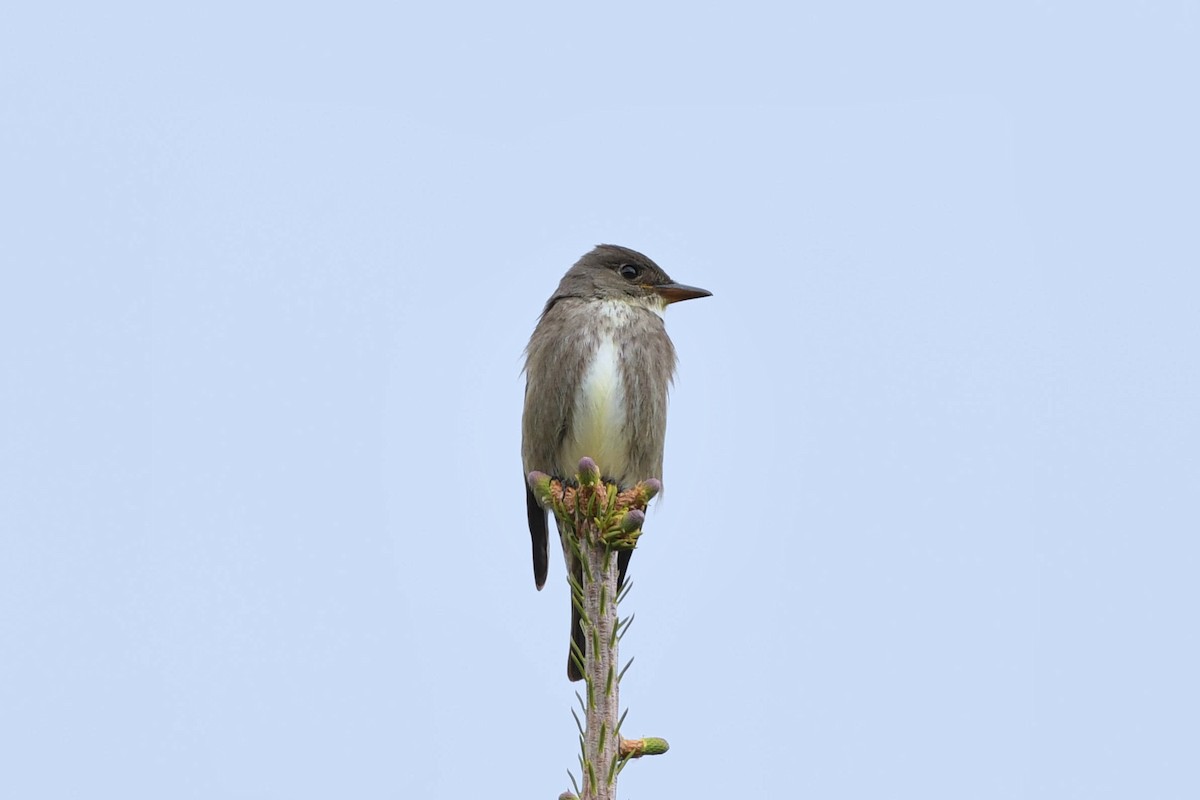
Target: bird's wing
{"x": 553, "y": 369}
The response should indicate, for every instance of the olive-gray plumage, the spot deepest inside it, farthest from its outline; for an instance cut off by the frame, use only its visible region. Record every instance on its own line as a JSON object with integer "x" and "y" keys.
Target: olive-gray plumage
{"x": 598, "y": 368}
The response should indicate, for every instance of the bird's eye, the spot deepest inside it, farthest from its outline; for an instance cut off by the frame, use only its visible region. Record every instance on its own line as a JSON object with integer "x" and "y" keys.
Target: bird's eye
{"x": 629, "y": 271}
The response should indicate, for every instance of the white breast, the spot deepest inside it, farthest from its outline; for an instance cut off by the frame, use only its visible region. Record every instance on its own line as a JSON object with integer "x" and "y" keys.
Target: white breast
{"x": 598, "y": 424}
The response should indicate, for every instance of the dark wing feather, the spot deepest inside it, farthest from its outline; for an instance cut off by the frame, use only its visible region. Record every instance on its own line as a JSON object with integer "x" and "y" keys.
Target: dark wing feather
{"x": 540, "y": 535}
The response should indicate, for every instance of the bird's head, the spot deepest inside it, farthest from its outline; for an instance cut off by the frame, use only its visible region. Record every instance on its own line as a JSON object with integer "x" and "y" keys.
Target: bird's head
{"x": 611, "y": 272}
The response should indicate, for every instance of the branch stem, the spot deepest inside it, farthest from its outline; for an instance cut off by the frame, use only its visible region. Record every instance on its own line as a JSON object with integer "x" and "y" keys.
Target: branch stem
{"x": 602, "y": 744}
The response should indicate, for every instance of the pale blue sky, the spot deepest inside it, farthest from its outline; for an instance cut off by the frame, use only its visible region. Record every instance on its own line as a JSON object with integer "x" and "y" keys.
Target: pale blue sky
{"x": 932, "y": 473}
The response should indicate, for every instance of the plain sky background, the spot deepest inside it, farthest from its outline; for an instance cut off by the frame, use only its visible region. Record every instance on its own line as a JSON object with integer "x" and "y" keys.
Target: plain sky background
{"x": 932, "y": 472}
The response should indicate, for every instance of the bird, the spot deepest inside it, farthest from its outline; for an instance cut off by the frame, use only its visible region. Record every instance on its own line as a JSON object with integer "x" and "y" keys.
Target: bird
{"x": 597, "y": 371}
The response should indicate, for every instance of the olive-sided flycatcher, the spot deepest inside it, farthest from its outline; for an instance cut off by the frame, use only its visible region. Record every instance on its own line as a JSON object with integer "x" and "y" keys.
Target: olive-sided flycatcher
{"x": 597, "y": 370}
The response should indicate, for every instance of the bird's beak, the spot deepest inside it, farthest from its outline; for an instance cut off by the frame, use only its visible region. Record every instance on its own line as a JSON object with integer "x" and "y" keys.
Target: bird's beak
{"x": 674, "y": 292}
